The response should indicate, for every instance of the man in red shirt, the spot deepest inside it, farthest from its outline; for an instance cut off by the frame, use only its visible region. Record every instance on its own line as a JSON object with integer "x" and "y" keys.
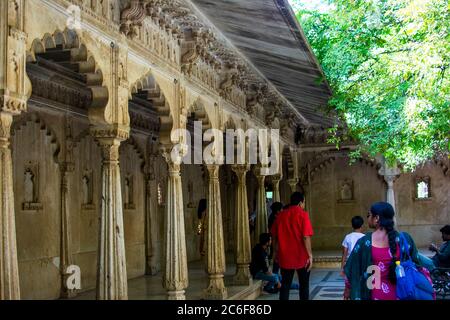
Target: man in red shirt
{"x": 292, "y": 233}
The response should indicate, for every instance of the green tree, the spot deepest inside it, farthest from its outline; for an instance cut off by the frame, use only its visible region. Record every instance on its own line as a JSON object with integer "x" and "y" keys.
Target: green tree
{"x": 387, "y": 63}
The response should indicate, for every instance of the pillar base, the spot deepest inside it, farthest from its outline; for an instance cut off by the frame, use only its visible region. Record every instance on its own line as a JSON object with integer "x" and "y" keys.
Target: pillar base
{"x": 68, "y": 294}
{"x": 243, "y": 276}
{"x": 176, "y": 295}
{"x": 216, "y": 289}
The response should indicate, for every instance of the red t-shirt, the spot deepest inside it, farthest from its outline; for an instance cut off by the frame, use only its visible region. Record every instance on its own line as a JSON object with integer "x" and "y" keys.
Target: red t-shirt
{"x": 290, "y": 226}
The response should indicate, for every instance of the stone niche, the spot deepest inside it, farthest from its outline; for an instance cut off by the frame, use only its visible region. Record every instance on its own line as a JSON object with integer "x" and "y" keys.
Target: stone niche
{"x": 31, "y": 188}
{"x": 345, "y": 190}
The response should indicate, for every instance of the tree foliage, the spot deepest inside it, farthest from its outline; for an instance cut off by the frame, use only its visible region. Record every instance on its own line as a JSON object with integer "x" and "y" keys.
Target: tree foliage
{"x": 387, "y": 63}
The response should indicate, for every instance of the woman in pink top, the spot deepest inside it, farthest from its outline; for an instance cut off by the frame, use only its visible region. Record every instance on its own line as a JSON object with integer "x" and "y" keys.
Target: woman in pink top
{"x": 379, "y": 248}
{"x": 382, "y": 258}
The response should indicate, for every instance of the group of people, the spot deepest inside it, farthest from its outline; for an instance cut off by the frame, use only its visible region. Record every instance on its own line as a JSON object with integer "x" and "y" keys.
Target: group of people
{"x": 290, "y": 232}
{"x": 288, "y": 246}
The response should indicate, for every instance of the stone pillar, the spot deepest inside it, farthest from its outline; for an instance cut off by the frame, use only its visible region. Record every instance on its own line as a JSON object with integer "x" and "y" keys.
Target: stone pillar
{"x": 9, "y": 271}
{"x": 243, "y": 248}
{"x": 261, "y": 207}
{"x": 148, "y": 226}
{"x": 15, "y": 88}
{"x": 151, "y": 209}
{"x": 214, "y": 238}
{"x": 111, "y": 264}
{"x": 276, "y": 188}
{"x": 66, "y": 252}
{"x": 175, "y": 278}
{"x": 389, "y": 173}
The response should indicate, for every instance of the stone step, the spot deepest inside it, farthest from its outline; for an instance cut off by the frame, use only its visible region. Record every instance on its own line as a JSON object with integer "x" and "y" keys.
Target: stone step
{"x": 248, "y": 293}
{"x": 327, "y": 262}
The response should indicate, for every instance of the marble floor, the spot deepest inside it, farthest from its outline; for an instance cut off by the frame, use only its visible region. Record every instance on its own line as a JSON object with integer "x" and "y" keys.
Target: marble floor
{"x": 324, "y": 284}
{"x": 150, "y": 287}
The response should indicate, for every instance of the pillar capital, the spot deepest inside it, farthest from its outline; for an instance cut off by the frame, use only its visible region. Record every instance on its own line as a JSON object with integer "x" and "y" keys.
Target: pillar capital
{"x": 276, "y": 178}
{"x": 213, "y": 170}
{"x": 6, "y": 120}
{"x": 293, "y": 183}
{"x": 240, "y": 169}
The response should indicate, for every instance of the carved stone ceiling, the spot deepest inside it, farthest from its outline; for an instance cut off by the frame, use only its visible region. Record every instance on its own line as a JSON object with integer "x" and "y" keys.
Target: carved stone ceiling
{"x": 249, "y": 43}
{"x": 267, "y": 34}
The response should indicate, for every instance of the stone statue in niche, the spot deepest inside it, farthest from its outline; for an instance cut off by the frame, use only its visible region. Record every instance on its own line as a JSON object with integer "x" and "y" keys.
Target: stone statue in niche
{"x": 31, "y": 192}
{"x": 87, "y": 190}
{"x": 346, "y": 190}
{"x": 128, "y": 193}
{"x": 29, "y": 187}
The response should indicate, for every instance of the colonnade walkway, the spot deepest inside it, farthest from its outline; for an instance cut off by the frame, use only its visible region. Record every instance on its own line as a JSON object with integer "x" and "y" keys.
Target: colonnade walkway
{"x": 326, "y": 283}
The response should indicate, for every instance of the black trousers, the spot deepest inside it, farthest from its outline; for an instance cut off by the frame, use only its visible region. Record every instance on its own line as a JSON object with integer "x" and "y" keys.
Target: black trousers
{"x": 303, "y": 278}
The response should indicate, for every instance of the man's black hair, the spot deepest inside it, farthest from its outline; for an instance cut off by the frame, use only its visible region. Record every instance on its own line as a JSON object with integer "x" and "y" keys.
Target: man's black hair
{"x": 446, "y": 229}
{"x": 357, "y": 222}
{"x": 264, "y": 238}
{"x": 296, "y": 198}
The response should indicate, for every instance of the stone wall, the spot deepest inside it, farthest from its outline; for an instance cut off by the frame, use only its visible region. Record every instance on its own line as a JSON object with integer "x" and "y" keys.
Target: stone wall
{"x": 37, "y": 203}
{"x": 340, "y": 191}
{"x": 423, "y": 218}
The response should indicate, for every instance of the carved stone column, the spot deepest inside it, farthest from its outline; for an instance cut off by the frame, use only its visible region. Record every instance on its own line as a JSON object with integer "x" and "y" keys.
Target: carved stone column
{"x": 9, "y": 271}
{"x": 215, "y": 242}
{"x": 111, "y": 267}
{"x": 276, "y": 187}
{"x": 66, "y": 253}
{"x": 175, "y": 277}
{"x": 14, "y": 90}
{"x": 261, "y": 207}
{"x": 150, "y": 207}
{"x": 151, "y": 203}
{"x": 243, "y": 248}
{"x": 389, "y": 173}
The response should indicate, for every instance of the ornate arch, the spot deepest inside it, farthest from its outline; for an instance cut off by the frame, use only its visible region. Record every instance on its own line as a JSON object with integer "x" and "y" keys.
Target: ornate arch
{"x": 148, "y": 89}
{"x": 137, "y": 148}
{"x": 197, "y": 112}
{"x": 325, "y": 158}
{"x": 289, "y": 161}
{"x": 66, "y": 52}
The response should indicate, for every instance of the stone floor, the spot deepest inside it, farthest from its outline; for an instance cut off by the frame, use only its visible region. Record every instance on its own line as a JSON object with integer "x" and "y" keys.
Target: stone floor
{"x": 150, "y": 287}
{"x": 324, "y": 284}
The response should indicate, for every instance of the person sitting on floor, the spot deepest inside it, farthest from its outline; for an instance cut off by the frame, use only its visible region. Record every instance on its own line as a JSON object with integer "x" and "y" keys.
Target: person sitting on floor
{"x": 259, "y": 266}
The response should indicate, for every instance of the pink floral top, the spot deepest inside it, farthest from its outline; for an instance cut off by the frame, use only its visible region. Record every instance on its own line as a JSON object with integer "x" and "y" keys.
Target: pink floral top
{"x": 382, "y": 258}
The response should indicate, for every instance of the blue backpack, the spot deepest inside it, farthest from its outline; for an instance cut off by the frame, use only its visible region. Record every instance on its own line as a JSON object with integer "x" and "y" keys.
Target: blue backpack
{"x": 414, "y": 285}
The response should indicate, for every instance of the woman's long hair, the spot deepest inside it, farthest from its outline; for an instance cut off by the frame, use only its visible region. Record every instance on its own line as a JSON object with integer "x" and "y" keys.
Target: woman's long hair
{"x": 386, "y": 213}
{"x": 202, "y": 204}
